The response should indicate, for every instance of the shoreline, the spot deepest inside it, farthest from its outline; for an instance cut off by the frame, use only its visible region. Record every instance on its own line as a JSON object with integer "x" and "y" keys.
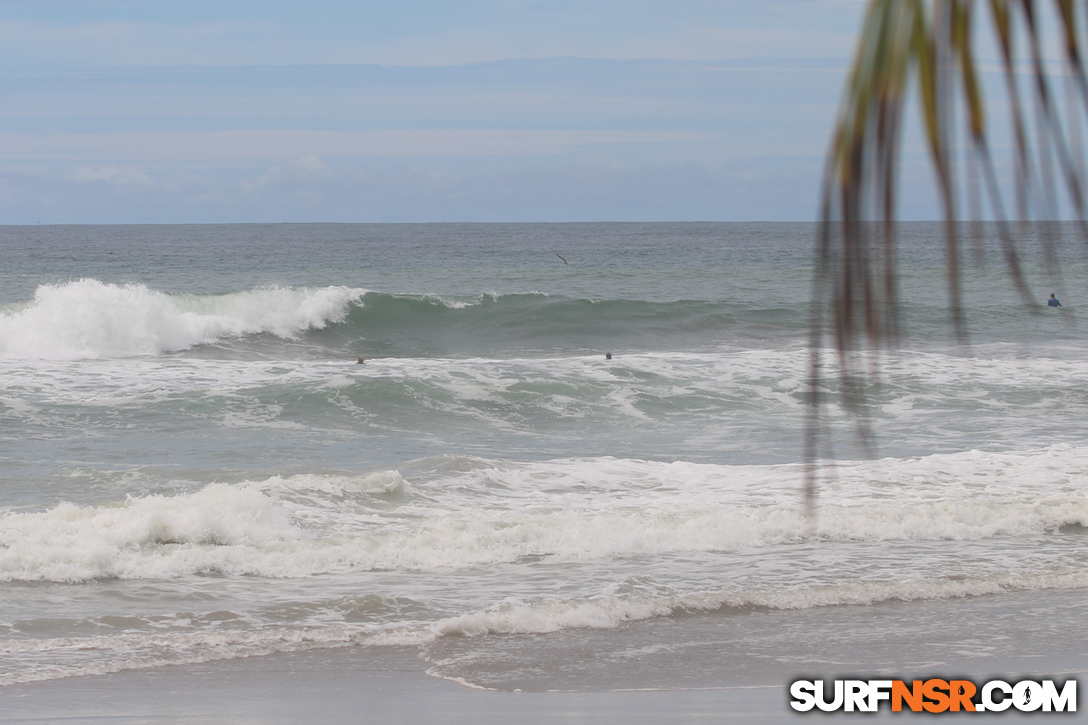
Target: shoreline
{"x": 686, "y": 669}
{"x": 356, "y": 684}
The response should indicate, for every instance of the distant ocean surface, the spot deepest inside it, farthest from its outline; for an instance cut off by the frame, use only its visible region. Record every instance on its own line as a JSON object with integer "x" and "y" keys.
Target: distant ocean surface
{"x": 194, "y": 467}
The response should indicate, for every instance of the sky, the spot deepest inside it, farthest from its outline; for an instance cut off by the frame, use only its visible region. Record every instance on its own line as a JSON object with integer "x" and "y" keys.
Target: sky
{"x": 120, "y": 111}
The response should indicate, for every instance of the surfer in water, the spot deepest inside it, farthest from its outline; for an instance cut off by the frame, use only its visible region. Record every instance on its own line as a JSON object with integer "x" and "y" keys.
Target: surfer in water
{"x": 1053, "y": 301}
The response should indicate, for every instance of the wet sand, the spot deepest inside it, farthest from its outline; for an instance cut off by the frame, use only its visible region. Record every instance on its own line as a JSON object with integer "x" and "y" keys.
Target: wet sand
{"x": 697, "y": 668}
{"x": 357, "y": 685}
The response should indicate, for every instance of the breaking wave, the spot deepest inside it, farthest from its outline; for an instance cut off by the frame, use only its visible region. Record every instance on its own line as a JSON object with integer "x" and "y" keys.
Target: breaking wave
{"x": 91, "y": 319}
{"x": 88, "y": 319}
{"x": 485, "y": 513}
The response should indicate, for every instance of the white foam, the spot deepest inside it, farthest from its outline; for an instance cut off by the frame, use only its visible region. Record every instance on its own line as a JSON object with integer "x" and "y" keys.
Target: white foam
{"x": 155, "y": 536}
{"x": 91, "y": 319}
{"x": 55, "y": 658}
{"x": 52, "y": 658}
{"x": 544, "y": 615}
{"x": 477, "y": 513}
{"x": 674, "y": 401}
{"x": 376, "y": 482}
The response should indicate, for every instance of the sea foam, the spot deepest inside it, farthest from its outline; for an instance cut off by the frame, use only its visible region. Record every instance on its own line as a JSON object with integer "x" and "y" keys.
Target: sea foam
{"x": 547, "y": 614}
{"x": 56, "y": 657}
{"x": 485, "y": 513}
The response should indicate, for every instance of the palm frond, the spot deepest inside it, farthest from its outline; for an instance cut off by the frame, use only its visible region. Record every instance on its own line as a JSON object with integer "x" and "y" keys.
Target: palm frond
{"x": 927, "y": 50}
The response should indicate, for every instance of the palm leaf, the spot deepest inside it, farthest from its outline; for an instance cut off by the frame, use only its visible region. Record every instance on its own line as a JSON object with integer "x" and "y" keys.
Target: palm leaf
{"x": 928, "y": 46}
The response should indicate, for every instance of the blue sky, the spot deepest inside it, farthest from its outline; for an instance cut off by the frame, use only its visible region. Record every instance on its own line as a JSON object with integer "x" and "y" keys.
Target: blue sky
{"x": 419, "y": 110}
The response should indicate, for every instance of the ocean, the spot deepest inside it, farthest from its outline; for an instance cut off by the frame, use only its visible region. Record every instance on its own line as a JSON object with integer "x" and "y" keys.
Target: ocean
{"x": 194, "y": 466}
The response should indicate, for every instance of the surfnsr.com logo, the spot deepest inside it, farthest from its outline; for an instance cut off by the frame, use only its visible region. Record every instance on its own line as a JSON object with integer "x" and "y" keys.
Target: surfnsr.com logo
{"x": 933, "y": 695}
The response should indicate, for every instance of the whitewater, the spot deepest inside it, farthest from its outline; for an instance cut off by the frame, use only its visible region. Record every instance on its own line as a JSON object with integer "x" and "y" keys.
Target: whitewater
{"x": 196, "y": 466}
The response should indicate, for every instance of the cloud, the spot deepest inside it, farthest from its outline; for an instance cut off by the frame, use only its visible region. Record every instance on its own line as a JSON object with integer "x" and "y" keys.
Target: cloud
{"x": 124, "y": 43}
{"x": 595, "y": 188}
{"x": 716, "y": 42}
{"x": 110, "y": 174}
{"x": 420, "y": 32}
{"x": 307, "y": 167}
{"x": 266, "y": 110}
{"x": 278, "y": 144}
